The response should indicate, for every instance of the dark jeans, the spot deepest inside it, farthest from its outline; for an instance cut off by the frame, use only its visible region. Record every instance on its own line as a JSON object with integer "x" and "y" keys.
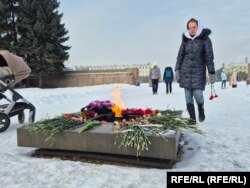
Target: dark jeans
{"x": 194, "y": 93}
{"x": 155, "y": 85}
{"x": 169, "y": 87}
{"x": 223, "y": 84}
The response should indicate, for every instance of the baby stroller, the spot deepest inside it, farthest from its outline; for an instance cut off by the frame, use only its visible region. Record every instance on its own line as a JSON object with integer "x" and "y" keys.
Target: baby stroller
{"x": 13, "y": 69}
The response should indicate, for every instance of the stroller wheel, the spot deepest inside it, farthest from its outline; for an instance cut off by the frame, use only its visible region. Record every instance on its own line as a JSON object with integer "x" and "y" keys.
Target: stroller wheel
{"x": 4, "y": 122}
{"x": 21, "y": 117}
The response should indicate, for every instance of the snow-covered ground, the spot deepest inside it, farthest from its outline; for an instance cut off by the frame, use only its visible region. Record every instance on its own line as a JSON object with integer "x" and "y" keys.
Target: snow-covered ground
{"x": 224, "y": 148}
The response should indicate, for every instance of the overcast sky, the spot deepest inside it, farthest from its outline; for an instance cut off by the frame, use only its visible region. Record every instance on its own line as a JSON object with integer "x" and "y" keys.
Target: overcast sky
{"x": 107, "y": 32}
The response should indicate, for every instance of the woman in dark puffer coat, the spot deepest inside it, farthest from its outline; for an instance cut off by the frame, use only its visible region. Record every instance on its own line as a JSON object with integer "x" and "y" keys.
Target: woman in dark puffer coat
{"x": 194, "y": 56}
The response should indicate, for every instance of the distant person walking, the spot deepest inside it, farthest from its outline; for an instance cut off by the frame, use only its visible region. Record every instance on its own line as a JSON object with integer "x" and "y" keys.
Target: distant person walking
{"x": 168, "y": 77}
{"x": 223, "y": 79}
{"x": 155, "y": 75}
{"x": 194, "y": 57}
{"x": 233, "y": 79}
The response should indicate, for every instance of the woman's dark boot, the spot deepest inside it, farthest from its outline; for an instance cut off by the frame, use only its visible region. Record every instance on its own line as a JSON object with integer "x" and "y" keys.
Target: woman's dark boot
{"x": 201, "y": 112}
{"x": 191, "y": 111}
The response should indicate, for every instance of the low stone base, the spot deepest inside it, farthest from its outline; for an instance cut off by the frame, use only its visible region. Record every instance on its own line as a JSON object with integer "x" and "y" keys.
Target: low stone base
{"x": 104, "y": 158}
{"x": 100, "y": 140}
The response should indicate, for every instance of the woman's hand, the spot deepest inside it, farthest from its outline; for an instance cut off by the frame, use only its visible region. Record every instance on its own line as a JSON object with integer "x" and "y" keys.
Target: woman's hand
{"x": 177, "y": 76}
{"x": 212, "y": 78}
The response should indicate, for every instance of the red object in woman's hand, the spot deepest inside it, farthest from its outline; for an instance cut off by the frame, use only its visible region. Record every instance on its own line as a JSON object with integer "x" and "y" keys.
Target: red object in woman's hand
{"x": 211, "y": 97}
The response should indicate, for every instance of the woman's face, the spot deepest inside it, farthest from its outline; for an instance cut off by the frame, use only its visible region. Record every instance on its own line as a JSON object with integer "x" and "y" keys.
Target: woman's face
{"x": 192, "y": 28}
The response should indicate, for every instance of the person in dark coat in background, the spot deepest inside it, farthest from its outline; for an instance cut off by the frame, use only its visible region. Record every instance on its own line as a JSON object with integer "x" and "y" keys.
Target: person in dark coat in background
{"x": 194, "y": 56}
{"x": 168, "y": 77}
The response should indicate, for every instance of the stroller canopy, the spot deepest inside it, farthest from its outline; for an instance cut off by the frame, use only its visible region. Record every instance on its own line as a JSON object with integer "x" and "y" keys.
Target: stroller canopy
{"x": 17, "y": 65}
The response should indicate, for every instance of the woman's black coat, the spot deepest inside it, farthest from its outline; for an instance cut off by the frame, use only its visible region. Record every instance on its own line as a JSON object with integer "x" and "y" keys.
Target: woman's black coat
{"x": 193, "y": 58}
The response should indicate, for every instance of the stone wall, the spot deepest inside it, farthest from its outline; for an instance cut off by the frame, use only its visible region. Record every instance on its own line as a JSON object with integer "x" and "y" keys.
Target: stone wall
{"x": 248, "y": 78}
{"x": 85, "y": 78}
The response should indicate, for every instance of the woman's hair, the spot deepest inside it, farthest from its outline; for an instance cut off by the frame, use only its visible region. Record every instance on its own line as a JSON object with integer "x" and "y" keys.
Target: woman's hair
{"x": 192, "y": 20}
